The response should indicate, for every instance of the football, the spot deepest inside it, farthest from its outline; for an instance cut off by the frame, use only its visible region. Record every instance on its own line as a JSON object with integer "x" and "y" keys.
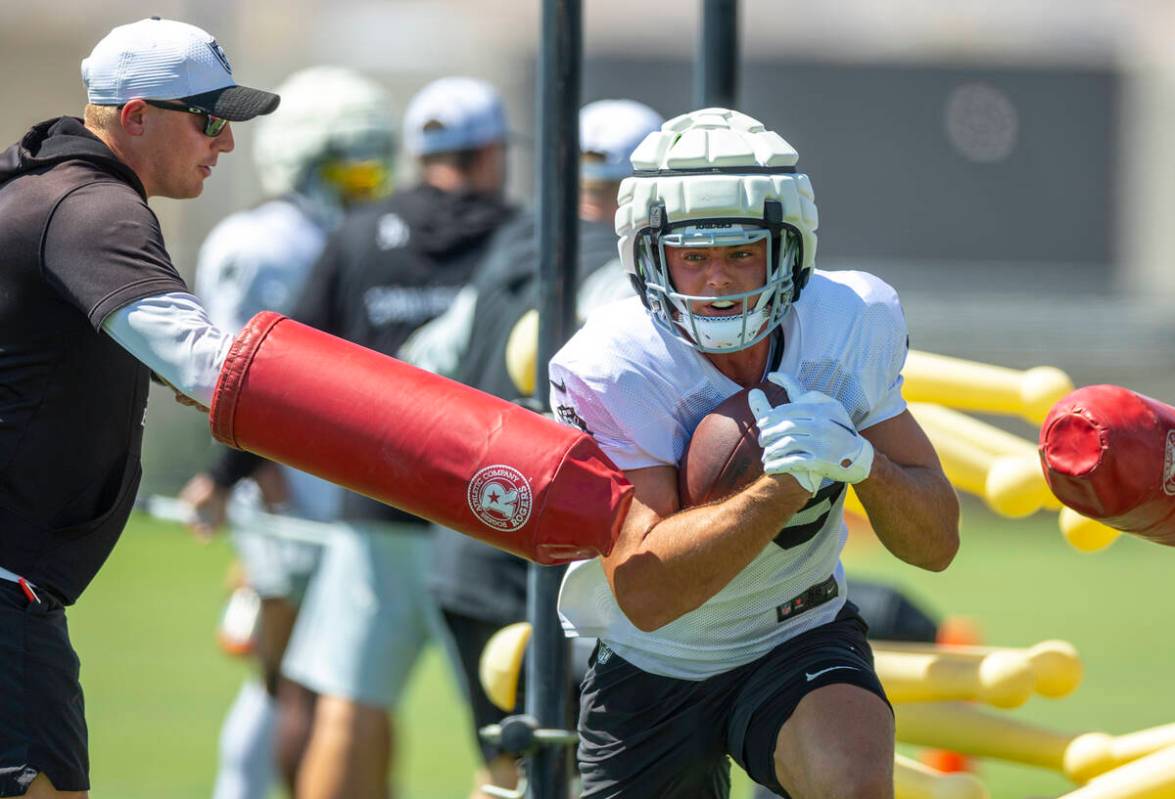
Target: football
{"x": 724, "y": 455}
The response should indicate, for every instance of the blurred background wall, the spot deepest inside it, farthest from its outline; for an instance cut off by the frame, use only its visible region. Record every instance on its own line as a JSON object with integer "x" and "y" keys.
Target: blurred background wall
{"x": 1006, "y": 165}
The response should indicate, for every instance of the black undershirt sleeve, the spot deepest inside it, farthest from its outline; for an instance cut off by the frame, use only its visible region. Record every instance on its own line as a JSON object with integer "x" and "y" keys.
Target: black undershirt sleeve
{"x": 233, "y": 465}
{"x": 103, "y": 249}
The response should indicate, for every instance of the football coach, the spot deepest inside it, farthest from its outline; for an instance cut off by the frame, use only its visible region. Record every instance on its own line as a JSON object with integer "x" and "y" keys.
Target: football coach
{"x": 90, "y": 307}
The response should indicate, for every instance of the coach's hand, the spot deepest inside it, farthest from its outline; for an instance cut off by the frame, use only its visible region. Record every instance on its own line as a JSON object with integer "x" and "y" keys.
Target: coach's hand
{"x": 210, "y": 503}
{"x": 812, "y": 435}
{"x": 184, "y": 399}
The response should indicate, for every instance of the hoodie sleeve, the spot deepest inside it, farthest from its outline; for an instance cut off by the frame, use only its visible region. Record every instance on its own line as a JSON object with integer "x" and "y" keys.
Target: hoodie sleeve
{"x": 103, "y": 249}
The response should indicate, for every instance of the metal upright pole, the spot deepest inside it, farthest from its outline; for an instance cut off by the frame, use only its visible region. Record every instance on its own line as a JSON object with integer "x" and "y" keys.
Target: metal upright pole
{"x": 716, "y": 71}
{"x": 547, "y": 679}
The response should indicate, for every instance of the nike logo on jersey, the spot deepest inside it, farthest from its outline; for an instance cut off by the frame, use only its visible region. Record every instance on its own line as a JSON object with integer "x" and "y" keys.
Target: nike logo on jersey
{"x": 560, "y": 386}
{"x": 810, "y": 677}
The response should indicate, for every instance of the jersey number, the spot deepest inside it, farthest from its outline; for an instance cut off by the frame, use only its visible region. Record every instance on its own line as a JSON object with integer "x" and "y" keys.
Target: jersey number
{"x": 820, "y": 505}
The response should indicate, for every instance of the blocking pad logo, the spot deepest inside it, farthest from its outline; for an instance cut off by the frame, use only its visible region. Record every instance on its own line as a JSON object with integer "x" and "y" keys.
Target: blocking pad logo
{"x": 501, "y": 497}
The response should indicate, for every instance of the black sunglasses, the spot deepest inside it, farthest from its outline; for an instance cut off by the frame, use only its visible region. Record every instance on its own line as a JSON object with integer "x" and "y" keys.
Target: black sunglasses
{"x": 213, "y": 125}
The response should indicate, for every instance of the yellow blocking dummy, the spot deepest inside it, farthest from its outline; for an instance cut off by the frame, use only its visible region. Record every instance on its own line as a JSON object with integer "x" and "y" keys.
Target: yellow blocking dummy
{"x": 1085, "y": 534}
{"x": 1055, "y": 665}
{"x": 913, "y": 780}
{"x": 1004, "y": 470}
{"x": 1002, "y": 679}
{"x": 522, "y": 352}
{"x": 973, "y": 731}
{"x": 972, "y": 386}
{"x": 1150, "y": 777}
{"x": 986, "y": 461}
{"x": 501, "y": 663}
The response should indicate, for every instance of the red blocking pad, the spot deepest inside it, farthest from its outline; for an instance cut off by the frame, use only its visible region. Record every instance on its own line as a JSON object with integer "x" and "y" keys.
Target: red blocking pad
{"x": 1109, "y": 454}
{"x": 422, "y": 443}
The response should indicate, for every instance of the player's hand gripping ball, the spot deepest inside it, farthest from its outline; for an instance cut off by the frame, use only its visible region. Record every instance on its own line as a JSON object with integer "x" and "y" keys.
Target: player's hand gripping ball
{"x": 724, "y": 455}
{"x": 810, "y": 438}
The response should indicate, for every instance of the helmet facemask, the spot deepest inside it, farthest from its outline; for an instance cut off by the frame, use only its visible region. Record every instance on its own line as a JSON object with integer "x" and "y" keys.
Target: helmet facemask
{"x": 762, "y": 308}
{"x": 355, "y": 178}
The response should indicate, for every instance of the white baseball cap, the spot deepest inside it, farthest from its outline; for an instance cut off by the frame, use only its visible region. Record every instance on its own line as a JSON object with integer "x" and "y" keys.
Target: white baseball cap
{"x": 453, "y": 114}
{"x": 613, "y": 129}
{"x": 161, "y": 59}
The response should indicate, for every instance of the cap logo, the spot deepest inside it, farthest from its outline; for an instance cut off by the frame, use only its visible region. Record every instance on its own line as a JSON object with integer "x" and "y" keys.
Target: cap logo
{"x": 221, "y": 55}
{"x": 500, "y": 497}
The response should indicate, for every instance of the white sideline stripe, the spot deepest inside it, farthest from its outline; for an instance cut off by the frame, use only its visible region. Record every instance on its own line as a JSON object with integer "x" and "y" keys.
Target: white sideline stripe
{"x": 7, "y": 575}
{"x": 286, "y": 528}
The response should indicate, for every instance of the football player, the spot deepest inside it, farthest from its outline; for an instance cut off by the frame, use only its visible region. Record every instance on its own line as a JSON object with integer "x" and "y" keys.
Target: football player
{"x": 329, "y": 146}
{"x": 480, "y": 589}
{"x": 386, "y": 270}
{"x": 725, "y": 629}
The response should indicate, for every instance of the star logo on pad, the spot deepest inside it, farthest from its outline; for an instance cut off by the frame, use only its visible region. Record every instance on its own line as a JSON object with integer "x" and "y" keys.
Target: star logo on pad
{"x": 500, "y": 497}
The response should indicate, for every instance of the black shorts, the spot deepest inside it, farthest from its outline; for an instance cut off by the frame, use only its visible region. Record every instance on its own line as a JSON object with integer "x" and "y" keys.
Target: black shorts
{"x": 42, "y": 715}
{"x": 469, "y": 637}
{"x": 642, "y": 735}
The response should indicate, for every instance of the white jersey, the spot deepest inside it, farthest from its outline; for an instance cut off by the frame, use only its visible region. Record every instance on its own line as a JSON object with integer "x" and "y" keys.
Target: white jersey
{"x": 259, "y": 260}
{"x": 640, "y": 392}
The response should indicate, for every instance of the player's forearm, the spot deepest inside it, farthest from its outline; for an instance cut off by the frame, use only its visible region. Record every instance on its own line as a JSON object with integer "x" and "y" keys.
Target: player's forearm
{"x": 683, "y": 560}
{"x": 914, "y": 511}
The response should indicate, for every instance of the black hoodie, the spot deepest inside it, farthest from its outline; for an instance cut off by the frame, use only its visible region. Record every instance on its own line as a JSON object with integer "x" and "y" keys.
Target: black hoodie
{"x": 391, "y": 267}
{"x": 77, "y": 242}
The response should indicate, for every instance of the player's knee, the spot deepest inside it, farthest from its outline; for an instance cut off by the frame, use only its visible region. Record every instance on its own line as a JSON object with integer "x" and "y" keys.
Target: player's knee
{"x": 866, "y": 783}
{"x": 851, "y": 784}
{"x": 270, "y": 677}
{"x": 346, "y": 716}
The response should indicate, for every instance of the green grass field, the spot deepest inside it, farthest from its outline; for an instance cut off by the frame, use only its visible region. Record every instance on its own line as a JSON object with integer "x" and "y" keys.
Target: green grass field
{"x": 157, "y": 687}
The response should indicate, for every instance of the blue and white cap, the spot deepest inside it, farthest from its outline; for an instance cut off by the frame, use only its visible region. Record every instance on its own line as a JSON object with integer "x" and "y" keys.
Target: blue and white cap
{"x": 161, "y": 59}
{"x": 454, "y": 114}
{"x": 611, "y": 130}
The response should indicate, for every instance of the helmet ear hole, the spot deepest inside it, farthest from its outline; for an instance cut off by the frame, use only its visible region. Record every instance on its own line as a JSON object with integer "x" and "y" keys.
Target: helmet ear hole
{"x": 640, "y": 286}
{"x": 799, "y": 274}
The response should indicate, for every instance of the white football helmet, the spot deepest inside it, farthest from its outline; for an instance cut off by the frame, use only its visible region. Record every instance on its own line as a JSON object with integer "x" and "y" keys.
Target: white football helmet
{"x": 332, "y": 139}
{"x": 717, "y": 178}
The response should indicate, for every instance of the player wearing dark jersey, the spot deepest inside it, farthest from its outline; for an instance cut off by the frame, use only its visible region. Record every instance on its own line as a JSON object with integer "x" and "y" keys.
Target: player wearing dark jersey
{"x": 328, "y": 147}
{"x": 478, "y": 588}
{"x": 390, "y": 267}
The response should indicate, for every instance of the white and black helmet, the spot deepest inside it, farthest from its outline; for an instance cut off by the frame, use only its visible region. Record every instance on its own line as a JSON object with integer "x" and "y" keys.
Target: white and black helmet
{"x": 327, "y": 114}
{"x": 715, "y": 178}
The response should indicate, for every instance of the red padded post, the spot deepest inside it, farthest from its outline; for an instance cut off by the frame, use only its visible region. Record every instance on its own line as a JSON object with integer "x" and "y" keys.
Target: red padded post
{"x": 1109, "y": 454}
{"x": 425, "y": 444}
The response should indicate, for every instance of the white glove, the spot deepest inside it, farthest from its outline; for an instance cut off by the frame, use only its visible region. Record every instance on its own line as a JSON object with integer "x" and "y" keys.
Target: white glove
{"x": 810, "y": 436}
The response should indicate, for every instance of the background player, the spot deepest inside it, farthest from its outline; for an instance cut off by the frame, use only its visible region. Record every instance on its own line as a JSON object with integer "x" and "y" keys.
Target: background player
{"x": 328, "y": 147}
{"x": 724, "y": 629}
{"x": 478, "y": 588}
{"x": 388, "y": 269}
